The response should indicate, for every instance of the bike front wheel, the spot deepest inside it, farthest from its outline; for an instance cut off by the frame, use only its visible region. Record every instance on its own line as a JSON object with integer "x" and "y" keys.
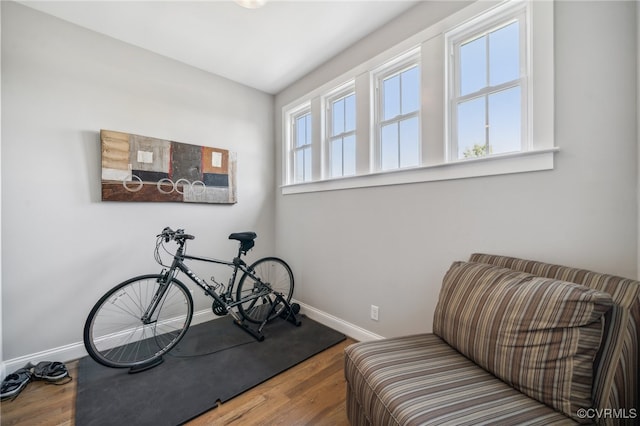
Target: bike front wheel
{"x": 260, "y": 301}
{"x": 117, "y": 334}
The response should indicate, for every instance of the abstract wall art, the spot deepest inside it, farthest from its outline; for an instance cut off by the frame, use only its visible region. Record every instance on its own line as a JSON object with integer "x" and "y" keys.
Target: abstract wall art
{"x": 142, "y": 168}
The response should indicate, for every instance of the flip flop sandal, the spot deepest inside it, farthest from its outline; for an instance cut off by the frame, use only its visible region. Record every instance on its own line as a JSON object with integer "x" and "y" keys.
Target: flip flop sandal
{"x": 52, "y": 372}
{"x": 13, "y": 384}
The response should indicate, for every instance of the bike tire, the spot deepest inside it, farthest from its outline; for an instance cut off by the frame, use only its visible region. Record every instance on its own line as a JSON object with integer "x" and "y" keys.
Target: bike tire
{"x": 278, "y": 276}
{"x": 114, "y": 333}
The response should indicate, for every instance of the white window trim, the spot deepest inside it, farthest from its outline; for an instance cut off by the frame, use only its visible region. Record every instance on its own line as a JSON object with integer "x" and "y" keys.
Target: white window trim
{"x": 342, "y": 91}
{"x": 398, "y": 65}
{"x": 291, "y": 149}
{"x": 498, "y": 17}
{"x": 541, "y": 111}
{"x": 502, "y": 164}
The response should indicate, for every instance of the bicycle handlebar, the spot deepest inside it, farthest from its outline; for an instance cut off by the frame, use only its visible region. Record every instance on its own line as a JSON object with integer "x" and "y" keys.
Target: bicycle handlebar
{"x": 169, "y": 234}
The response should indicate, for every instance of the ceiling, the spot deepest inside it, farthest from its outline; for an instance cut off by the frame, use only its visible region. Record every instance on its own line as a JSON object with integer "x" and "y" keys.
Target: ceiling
{"x": 267, "y": 48}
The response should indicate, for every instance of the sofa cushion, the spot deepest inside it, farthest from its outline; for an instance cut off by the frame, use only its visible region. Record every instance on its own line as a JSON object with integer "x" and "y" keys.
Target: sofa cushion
{"x": 539, "y": 335}
{"x": 421, "y": 380}
{"x": 617, "y": 374}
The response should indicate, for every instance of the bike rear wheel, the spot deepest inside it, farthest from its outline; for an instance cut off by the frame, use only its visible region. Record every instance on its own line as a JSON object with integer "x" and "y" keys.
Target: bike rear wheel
{"x": 275, "y": 275}
{"x": 115, "y": 334}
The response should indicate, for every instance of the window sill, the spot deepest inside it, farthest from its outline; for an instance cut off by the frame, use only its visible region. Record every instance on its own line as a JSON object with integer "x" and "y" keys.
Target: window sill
{"x": 520, "y": 162}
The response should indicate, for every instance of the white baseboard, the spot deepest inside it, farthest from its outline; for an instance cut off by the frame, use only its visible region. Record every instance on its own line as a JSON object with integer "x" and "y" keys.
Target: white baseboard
{"x": 351, "y": 330}
{"x": 76, "y": 350}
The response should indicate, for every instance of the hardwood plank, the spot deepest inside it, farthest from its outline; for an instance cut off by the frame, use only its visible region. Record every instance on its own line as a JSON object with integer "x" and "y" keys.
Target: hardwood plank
{"x": 312, "y": 392}
{"x": 42, "y": 403}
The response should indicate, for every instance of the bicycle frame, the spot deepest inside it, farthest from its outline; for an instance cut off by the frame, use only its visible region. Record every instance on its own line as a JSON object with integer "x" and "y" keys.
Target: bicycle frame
{"x": 226, "y": 301}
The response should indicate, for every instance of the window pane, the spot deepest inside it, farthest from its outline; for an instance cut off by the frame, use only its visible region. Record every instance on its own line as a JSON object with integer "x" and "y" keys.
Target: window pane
{"x": 410, "y": 86}
{"x": 307, "y": 164}
{"x": 409, "y": 142}
{"x": 308, "y": 128}
{"x": 504, "y": 121}
{"x": 504, "y": 54}
{"x": 391, "y": 97}
{"x": 350, "y": 113}
{"x": 299, "y": 166}
{"x": 301, "y": 131}
{"x": 349, "y": 155}
{"x": 471, "y": 128}
{"x": 389, "y": 146}
{"x": 473, "y": 66}
{"x": 337, "y": 117}
{"x": 336, "y": 157}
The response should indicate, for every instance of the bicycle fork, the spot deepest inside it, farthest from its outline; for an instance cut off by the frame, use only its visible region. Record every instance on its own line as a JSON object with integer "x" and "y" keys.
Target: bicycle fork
{"x": 163, "y": 285}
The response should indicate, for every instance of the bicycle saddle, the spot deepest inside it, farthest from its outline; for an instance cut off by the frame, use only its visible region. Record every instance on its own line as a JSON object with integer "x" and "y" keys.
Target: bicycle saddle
{"x": 243, "y": 236}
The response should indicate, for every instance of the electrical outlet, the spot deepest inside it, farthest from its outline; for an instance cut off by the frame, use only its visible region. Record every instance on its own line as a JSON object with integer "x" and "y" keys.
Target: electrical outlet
{"x": 374, "y": 312}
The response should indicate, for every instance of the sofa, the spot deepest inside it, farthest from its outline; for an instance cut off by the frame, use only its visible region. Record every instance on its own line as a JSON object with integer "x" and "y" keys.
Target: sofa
{"x": 514, "y": 342}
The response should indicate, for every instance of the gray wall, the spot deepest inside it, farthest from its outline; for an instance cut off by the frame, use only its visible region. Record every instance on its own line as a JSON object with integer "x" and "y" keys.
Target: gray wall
{"x": 390, "y": 246}
{"x": 61, "y": 246}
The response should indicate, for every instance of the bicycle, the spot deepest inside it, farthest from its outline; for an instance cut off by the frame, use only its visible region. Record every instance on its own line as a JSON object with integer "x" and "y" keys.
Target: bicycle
{"x": 141, "y": 319}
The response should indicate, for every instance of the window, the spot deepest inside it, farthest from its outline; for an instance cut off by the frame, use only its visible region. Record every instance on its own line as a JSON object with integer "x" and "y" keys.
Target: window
{"x": 302, "y": 147}
{"x": 399, "y": 116}
{"x": 471, "y": 95}
{"x": 341, "y": 120}
{"x": 488, "y": 87}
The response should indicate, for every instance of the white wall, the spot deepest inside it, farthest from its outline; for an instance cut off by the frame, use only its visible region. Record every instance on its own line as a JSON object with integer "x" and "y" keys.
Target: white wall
{"x": 61, "y": 246}
{"x": 390, "y": 246}
{"x": 2, "y": 372}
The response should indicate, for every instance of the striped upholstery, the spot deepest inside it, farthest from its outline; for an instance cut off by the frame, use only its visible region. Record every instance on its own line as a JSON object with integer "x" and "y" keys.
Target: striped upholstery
{"x": 538, "y": 335}
{"x": 421, "y": 380}
{"x": 616, "y": 373}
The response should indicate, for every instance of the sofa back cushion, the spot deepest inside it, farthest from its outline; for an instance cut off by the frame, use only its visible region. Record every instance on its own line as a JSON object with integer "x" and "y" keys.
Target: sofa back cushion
{"x": 539, "y": 335}
{"x": 617, "y": 367}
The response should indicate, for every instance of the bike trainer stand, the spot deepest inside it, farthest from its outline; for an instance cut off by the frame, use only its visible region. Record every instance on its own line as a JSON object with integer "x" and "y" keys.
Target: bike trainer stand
{"x": 288, "y": 313}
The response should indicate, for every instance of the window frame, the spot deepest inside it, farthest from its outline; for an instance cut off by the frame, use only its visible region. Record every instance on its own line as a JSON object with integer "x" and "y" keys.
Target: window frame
{"x": 302, "y": 111}
{"x": 406, "y": 61}
{"x": 500, "y": 17}
{"x": 343, "y": 92}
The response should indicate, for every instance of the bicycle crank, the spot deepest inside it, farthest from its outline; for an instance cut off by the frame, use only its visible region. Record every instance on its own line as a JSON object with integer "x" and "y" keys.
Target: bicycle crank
{"x": 219, "y": 309}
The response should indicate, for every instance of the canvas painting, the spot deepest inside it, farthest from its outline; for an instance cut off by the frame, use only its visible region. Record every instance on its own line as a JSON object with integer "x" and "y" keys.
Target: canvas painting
{"x": 142, "y": 168}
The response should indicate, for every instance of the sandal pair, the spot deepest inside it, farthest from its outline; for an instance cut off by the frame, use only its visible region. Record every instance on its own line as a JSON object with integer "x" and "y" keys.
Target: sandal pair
{"x": 13, "y": 384}
{"x": 50, "y": 372}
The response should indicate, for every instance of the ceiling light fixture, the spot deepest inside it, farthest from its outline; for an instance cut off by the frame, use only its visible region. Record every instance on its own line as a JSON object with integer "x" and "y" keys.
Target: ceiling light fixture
{"x": 251, "y": 4}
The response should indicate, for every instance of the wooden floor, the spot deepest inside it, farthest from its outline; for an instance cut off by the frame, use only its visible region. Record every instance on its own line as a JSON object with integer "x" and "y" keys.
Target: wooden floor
{"x": 311, "y": 393}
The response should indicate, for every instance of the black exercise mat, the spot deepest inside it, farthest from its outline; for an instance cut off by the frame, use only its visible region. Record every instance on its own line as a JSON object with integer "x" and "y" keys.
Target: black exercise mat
{"x": 215, "y": 361}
